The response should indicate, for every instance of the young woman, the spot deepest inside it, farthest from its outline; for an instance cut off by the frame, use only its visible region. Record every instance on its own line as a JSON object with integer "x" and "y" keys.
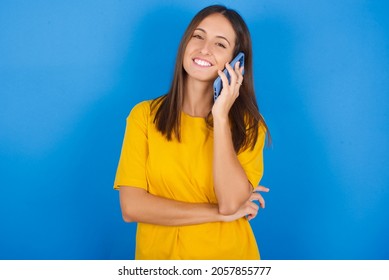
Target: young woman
{"x": 189, "y": 166}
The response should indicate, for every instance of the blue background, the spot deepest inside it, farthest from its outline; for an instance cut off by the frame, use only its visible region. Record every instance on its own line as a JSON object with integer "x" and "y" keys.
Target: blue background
{"x": 70, "y": 71}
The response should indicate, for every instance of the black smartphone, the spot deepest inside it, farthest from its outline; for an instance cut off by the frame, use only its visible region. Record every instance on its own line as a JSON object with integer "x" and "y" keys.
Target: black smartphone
{"x": 217, "y": 84}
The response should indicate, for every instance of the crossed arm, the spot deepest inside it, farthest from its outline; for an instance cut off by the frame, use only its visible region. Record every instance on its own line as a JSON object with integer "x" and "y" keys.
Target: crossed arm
{"x": 233, "y": 190}
{"x": 140, "y": 206}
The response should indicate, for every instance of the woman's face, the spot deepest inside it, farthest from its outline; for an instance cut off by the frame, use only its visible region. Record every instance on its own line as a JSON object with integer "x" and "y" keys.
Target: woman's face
{"x": 211, "y": 46}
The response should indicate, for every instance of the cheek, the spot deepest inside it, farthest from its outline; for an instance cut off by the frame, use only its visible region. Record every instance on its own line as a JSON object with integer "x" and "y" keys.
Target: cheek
{"x": 223, "y": 60}
{"x": 186, "y": 55}
{"x": 191, "y": 47}
{"x": 186, "y": 61}
{"x": 189, "y": 50}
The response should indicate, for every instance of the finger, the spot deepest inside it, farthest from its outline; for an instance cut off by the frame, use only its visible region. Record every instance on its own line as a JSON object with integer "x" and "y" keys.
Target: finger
{"x": 223, "y": 77}
{"x": 253, "y": 206}
{"x": 232, "y": 73}
{"x": 236, "y": 80}
{"x": 239, "y": 73}
{"x": 255, "y": 196}
{"x": 250, "y": 206}
{"x": 236, "y": 66}
{"x": 241, "y": 70}
{"x": 252, "y": 211}
{"x": 262, "y": 202}
{"x": 261, "y": 189}
{"x": 259, "y": 197}
{"x": 251, "y": 215}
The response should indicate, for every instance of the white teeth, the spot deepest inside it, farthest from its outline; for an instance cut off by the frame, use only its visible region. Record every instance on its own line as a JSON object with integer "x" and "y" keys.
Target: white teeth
{"x": 202, "y": 62}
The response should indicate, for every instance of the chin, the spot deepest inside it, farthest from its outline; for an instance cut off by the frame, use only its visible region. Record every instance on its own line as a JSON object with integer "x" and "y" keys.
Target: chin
{"x": 201, "y": 78}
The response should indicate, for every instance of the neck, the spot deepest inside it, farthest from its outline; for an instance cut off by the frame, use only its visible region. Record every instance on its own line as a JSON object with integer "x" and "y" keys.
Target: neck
{"x": 198, "y": 99}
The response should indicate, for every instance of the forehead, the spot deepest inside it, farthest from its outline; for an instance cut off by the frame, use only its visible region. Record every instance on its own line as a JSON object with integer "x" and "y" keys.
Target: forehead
{"x": 218, "y": 25}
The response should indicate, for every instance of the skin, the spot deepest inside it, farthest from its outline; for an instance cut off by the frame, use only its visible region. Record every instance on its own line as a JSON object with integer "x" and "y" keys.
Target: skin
{"x": 211, "y": 46}
{"x": 207, "y": 53}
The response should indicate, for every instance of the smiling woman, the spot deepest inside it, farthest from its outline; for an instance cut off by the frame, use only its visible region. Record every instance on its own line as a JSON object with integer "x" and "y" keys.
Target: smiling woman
{"x": 189, "y": 166}
{"x": 209, "y": 48}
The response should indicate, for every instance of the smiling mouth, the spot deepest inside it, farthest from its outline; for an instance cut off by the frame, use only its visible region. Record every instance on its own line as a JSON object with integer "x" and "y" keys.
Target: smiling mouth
{"x": 202, "y": 63}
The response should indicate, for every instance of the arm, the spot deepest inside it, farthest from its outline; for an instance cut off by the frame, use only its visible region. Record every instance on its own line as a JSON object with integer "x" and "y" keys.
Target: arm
{"x": 231, "y": 184}
{"x": 139, "y": 206}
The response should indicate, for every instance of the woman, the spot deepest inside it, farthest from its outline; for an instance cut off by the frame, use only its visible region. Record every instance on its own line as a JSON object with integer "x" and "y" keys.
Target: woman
{"x": 188, "y": 164}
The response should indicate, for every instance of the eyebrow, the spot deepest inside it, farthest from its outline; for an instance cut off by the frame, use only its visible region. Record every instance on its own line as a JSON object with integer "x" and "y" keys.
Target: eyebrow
{"x": 219, "y": 36}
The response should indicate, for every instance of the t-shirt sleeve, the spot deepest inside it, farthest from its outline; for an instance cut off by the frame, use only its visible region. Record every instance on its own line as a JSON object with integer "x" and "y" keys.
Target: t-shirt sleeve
{"x": 252, "y": 160}
{"x": 132, "y": 163}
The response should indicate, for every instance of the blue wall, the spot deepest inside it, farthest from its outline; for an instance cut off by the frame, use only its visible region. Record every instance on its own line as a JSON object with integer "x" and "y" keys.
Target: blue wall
{"x": 71, "y": 71}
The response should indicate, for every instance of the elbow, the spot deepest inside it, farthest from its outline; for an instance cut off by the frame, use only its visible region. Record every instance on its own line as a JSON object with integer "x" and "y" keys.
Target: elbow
{"x": 127, "y": 218}
{"x": 128, "y": 215}
{"x": 226, "y": 209}
{"x": 129, "y": 198}
{"x": 230, "y": 205}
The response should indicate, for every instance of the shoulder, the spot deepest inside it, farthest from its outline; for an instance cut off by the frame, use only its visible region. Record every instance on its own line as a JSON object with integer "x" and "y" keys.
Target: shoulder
{"x": 141, "y": 107}
{"x": 140, "y": 111}
{"x": 147, "y": 107}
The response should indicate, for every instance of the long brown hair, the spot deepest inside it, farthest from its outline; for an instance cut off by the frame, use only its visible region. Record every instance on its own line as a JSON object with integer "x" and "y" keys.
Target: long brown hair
{"x": 244, "y": 115}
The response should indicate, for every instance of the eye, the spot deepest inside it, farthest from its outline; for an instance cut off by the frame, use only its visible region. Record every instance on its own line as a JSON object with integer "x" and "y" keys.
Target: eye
{"x": 197, "y": 36}
{"x": 221, "y": 45}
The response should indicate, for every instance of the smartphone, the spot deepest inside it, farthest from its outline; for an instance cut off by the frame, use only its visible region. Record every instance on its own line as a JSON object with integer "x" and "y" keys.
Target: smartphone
{"x": 217, "y": 84}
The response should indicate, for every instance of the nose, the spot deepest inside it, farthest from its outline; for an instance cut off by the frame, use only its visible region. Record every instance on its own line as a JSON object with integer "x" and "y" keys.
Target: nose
{"x": 205, "y": 48}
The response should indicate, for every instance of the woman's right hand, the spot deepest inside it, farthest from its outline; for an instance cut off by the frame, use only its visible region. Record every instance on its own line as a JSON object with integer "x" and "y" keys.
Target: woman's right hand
{"x": 249, "y": 209}
{"x": 230, "y": 91}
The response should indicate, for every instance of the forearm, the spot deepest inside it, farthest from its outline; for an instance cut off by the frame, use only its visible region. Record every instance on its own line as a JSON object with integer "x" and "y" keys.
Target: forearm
{"x": 139, "y": 206}
{"x": 231, "y": 184}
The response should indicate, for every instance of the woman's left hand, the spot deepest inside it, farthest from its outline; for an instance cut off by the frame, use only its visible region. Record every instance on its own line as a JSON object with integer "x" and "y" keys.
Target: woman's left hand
{"x": 230, "y": 91}
{"x": 257, "y": 196}
{"x": 249, "y": 209}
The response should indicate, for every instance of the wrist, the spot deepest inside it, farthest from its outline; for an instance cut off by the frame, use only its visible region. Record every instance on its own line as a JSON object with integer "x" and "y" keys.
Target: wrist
{"x": 221, "y": 120}
{"x": 224, "y": 218}
{"x": 216, "y": 216}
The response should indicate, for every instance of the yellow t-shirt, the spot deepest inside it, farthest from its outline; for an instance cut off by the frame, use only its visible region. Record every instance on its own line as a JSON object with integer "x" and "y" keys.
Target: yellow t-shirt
{"x": 183, "y": 171}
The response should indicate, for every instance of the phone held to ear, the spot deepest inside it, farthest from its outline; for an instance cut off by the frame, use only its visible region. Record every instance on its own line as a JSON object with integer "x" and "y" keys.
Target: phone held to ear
{"x": 218, "y": 85}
